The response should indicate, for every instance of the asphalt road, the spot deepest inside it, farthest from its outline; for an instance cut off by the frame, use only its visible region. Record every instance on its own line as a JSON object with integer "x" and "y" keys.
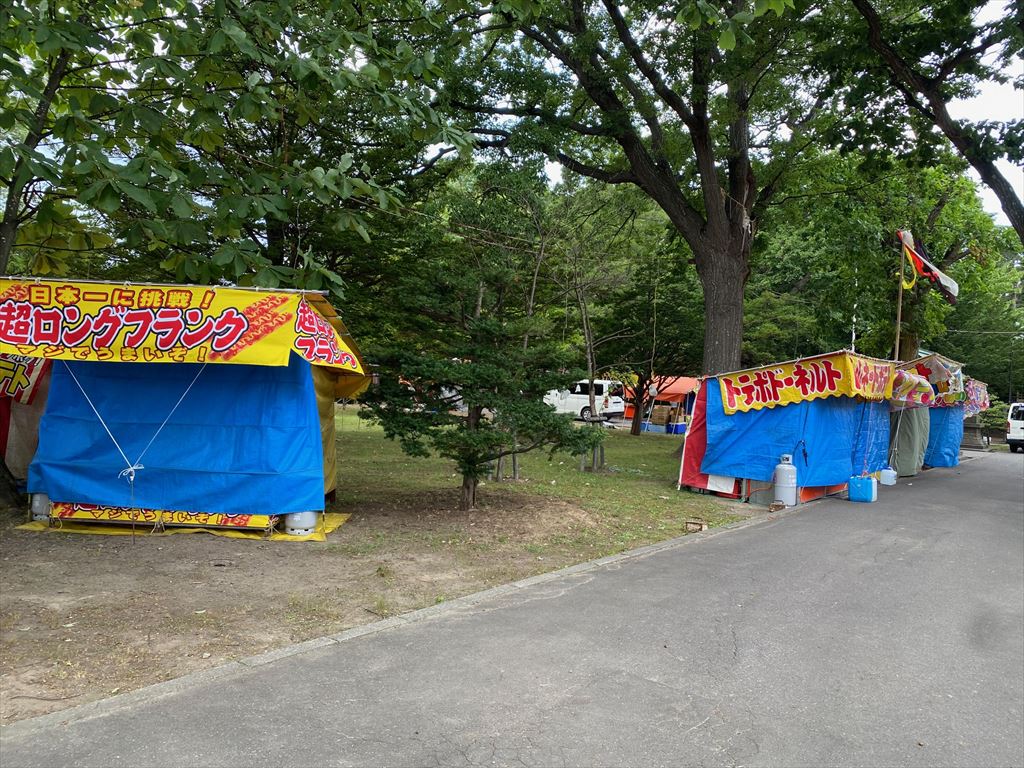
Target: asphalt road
{"x": 841, "y": 634}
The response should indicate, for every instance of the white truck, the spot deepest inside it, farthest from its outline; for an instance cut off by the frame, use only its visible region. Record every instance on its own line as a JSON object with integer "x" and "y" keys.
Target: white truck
{"x": 576, "y": 400}
{"x": 1015, "y": 426}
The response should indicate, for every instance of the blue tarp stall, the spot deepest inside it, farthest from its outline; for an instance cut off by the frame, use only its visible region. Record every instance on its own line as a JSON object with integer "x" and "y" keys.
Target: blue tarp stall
{"x": 831, "y": 439}
{"x": 945, "y": 433}
{"x": 243, "y": 439}
{"x": 185, "y": 405}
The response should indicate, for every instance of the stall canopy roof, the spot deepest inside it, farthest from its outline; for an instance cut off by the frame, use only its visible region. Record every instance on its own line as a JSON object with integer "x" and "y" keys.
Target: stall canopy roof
{"x": 671, "y": 389}
{"x": 945, "y": 376}
{"x": 674, "y": 389}
{"x": 933, "y": 366}
{"x": 162, "y": 323}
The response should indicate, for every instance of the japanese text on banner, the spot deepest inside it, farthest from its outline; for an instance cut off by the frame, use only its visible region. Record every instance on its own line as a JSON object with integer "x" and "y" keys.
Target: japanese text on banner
{"x": 20, "y": 376}
{"x": 95, "y": 321}
{"x": 91, "y": 512}
{"x": 840, "y": 374}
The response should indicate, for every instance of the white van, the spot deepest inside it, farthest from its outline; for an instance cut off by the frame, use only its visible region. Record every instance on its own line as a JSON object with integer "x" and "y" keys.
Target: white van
{"x": 1015, "y": 426}
{"x": 576, "y": 400}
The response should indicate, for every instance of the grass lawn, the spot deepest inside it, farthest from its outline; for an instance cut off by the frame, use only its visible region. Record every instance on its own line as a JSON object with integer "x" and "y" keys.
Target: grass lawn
{"x": 183, "y": 603}
{"x": 632, "y": 502}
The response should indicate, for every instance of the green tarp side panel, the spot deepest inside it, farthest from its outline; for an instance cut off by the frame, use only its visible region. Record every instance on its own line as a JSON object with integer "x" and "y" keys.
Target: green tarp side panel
{"x": 909, "y": 431}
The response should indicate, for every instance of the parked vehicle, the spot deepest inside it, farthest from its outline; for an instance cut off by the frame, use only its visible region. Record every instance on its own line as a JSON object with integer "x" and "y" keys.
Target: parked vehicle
{"x": 1015, "y": 426}
{"x": 576, "y": 400}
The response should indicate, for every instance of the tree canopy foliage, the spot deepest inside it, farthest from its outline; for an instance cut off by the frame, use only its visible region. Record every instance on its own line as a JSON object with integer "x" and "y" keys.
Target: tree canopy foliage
{"x": 209, "y": 135}
{"x": 652, "y": 95}
{"x": 927, "y": 56}
{"x": 465, "y": 374}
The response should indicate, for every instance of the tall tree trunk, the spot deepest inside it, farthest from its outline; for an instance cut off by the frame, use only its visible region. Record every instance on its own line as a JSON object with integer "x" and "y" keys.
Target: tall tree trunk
{"x": 470, "y": 480}
{"x": 588, "y": 342}
{"x": 643, "y": 382}
{"x": 723, "y": 272}
{"x": 467, "y": 500}
{"x": 910, "y": 336}
{"x": 638, "y": 414}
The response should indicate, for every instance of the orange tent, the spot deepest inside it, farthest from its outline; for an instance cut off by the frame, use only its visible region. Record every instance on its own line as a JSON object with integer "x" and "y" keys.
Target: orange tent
{"x": 671, "y": 389}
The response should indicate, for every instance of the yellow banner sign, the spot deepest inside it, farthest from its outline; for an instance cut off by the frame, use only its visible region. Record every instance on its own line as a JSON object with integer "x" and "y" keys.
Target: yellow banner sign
{"x": 157, "y": 517}
{"x": 834, "y": 375}
{"x": 66, "y": 320}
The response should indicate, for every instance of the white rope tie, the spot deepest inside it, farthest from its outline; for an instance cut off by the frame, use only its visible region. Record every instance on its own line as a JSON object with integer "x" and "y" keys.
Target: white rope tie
{"x": 894, "y": 452}
{"x": 132, "y": 467}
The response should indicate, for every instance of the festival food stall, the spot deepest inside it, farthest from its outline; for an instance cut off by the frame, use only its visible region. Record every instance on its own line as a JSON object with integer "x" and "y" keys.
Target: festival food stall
{"x": 912, "y": 395}
{"x": 976, "y": 400}
{"x": 931, "y": 437}
{"x": 668, "y": 409}
{"x": 173, "y": 404}
{"x": 829, "y": 412}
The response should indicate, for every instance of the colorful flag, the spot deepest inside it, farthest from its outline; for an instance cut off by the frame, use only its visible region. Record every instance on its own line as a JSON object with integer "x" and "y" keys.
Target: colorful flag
{"x": 946, "y": 285}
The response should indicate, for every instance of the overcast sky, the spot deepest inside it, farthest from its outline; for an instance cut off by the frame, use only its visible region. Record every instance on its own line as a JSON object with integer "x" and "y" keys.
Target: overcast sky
{"x": 996, "y": 102}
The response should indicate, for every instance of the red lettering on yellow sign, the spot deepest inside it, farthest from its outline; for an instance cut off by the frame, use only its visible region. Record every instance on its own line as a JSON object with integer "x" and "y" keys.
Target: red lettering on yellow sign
{"x": 838, "y": 374}
{"x": 24, "y": 324}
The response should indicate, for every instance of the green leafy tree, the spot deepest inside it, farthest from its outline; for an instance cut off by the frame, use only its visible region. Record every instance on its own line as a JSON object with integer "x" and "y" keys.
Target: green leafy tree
{"x": 920, "y": 58}
{"x": 707, "y": 120}
{"x": 205, "y": 133}
{"x": 594, "y": 256}
{"x": 985, "y": 330}
{"x": 836, "y": 262}
{"x": 994, "y": 419}
{"x": 456, "y": 376}
{"x": 657, "y": 316}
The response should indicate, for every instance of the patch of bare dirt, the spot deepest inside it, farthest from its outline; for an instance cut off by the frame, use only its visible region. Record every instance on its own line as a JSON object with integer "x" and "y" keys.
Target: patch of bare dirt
{"x": 84, "y": 617}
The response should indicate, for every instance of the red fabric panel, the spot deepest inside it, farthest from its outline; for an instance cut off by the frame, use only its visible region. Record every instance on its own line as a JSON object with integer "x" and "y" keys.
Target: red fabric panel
{"x": 670, "y": 390}
{"x": 695, "y": 446}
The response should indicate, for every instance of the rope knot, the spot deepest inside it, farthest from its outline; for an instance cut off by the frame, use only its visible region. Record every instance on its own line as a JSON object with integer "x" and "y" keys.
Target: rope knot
{"x": 130, "y": 472}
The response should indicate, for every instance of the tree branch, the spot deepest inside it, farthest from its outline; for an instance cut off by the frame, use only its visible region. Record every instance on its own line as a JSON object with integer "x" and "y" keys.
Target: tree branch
{"x": 672, "y": 99}
{"x": 593, "y": 172}
{"x": 966, "y": 142}
{"x": 548, "y": 117}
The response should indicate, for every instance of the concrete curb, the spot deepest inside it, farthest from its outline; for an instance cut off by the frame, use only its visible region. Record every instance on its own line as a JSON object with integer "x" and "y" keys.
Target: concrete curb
{"x": 114, "y": 704}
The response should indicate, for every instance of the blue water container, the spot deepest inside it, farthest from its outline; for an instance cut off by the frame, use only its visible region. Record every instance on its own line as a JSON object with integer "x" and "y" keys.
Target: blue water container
{"x": 863, "y": 489}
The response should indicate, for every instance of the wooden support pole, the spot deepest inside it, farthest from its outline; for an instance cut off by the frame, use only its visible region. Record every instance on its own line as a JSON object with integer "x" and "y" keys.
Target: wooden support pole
{"x": 899, "y": 306}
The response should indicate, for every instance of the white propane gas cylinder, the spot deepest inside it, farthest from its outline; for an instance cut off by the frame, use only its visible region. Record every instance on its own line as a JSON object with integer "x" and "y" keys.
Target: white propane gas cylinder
{"x": 785, "y": 481}
{"x": 40, "y": 506}
{"x": 300, "y": 523}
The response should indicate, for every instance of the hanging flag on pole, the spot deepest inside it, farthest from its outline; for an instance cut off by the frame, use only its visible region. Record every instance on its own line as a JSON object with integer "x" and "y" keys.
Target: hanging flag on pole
{"x": 914, "y": 253}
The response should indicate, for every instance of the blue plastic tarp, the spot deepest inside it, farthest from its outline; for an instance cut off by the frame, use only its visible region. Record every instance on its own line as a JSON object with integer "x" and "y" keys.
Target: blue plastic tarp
{"x": 244, "y": 440}
{"x": 831, "y": 440}
{"x": 945, "y": 433}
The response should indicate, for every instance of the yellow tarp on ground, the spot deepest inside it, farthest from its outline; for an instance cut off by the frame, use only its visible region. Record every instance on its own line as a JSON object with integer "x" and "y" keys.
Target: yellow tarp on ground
{"x": 326, "y": 524}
